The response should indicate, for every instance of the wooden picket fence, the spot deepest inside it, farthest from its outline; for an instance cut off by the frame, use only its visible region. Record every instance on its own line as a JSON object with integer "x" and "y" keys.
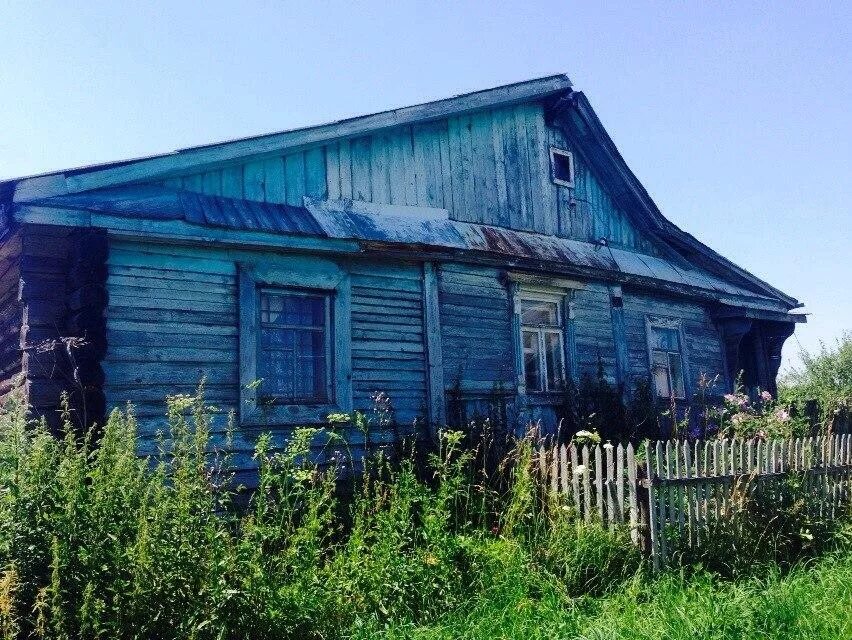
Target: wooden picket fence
{"x": 683, "y": 487}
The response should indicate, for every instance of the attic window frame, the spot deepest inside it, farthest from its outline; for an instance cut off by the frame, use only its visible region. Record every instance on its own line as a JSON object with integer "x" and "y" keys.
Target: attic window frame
{"x": 564, "y": 153}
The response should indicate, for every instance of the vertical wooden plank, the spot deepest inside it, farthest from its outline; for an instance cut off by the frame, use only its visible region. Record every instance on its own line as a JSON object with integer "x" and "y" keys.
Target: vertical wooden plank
{"x": 502, "y": 214}
{"x": 315, "y": 178}
{"x": 232, "y": 182}
{"x": 610, "y": 484}
{"x": 483, "y": 167}
{"x": 344, "y": 155}
{"x": 446, "y": 168}
{"x": 599, "y": 482}
{"x": 632, "y": 493}
{"x": 699, "y": 520}
{"x": 332, "y": 170}
{"x": 398, "y": 166}
{"x": 553, "y": 453}
{"x": 515, "y": 202}
{"x": 541, "y": 460}
{"x": 620, "y": 473}
{"x": 690, "y": 502}
{"x": 294, "y": 170}
{"x": 726, "y": 485}
{"x": 379, "y": 169}
{"x": 679, "y": 496}
{"x": 619, "y": 333}
{"x": 273, "y": 171}
{"x": 361, "y": 149}
{"x": 434, "y": 349}
{"x": 575, "y": 479}
{"x": 661, "y": 497}
{"x": 254, "y": 181}
{"x": 212, "y": 183}
{"x": 542, "y": 187}
{"x": 427, "y": 164}
{"x": 564, "y": 471}
{"x": 527, "y": 220}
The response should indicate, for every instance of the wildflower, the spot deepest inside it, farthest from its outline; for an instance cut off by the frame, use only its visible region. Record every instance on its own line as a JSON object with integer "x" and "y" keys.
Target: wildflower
{"x": 781, "y": 415}
{"x": 608, "y": 445}
{"x": 730, "y": 397}
{"x": 739, "y": 418}
{"x": 579, "y": 470}
{"x": 765, "y": 396}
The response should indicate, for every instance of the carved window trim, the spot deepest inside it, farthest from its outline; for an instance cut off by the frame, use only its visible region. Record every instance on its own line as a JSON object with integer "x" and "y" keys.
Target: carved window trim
{"x": 306, "y": 274}
{"x": 675, "y": 324}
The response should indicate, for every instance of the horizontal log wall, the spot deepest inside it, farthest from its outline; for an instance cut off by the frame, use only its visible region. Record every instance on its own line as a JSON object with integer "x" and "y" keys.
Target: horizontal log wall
{"x": 703, "y": 349}
{"x": 173, "y": 318}
{"x": 11, "y": 314}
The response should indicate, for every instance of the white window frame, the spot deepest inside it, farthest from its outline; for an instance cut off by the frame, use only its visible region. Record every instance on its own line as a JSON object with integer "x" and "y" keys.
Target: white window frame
{"x": 656, "y": 322}
{"x": 556, "y": 151}
{"x": 532, "y": 295}
{"x": 314, "y": 274}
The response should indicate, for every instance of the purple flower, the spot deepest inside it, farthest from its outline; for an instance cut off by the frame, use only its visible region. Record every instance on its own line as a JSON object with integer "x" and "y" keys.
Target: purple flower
{"x": 765, "y": 396}
{"x": 781, "y": 415}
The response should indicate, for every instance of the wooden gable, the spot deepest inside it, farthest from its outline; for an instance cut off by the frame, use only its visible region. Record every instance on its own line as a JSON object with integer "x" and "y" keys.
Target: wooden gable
{"x": 490, "y": 167}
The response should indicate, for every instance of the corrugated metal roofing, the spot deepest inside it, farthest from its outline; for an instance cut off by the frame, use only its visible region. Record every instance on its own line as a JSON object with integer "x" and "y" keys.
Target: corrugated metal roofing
{"x": 159, "y": 203}
{"x": 343, "y": 219}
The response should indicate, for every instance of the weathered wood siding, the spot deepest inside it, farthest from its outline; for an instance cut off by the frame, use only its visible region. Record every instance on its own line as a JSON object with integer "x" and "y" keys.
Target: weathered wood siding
{"x": 489, "y": 167}
{"x": 703, "y": 349}
{"x": 593, "y": 332}
{"x": 476, "y": 329}
{"x": 387, "y": 337}
{"x": 173, "y": 318}
{"x": 11, "y": 314}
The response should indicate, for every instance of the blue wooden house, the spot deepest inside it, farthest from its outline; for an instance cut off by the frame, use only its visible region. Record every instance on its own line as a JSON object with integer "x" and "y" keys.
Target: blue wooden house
{"x": 489, "y": 245}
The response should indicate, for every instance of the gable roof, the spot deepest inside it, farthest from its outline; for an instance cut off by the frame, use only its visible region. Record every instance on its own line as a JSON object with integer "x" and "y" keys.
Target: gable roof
{"x": 200, "y": 157}
{"x": 568, "y": 109}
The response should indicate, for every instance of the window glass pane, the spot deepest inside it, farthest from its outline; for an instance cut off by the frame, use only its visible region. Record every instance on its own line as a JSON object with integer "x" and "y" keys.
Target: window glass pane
{"x": 553, "y": 356}
{"x": 666, "y": 339}
{"x": 676, "y": 372}
{"x": 293, "y": 343}
{"x": 660, "y": 372}
{"x": 536, "y": 313}
{"x": 532, "y": 374}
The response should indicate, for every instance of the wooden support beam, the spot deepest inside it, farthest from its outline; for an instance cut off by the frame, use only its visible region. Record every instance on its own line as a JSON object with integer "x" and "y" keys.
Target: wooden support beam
{"x": 434, "y": 352}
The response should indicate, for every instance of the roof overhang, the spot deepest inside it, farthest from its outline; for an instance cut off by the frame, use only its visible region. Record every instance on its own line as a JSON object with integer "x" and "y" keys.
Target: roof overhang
{"x": 166, "y": 215}
{"x": 574, "y": 114}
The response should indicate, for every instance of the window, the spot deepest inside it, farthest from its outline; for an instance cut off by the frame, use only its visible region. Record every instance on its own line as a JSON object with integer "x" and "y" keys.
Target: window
{"x": 542, "y": 343}
{"x": 294, "y": 352}
{"x": 666, "y": 356}
{"x": 562, "y": 167}
{"x": 295, "y": 341}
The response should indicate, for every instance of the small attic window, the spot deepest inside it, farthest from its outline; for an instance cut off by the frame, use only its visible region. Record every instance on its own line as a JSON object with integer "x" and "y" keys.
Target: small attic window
{"x": 562, "y": 167}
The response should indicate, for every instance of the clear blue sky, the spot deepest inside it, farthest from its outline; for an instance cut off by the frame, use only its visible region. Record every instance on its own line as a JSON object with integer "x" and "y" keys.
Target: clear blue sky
{"x": 738, "y": 120}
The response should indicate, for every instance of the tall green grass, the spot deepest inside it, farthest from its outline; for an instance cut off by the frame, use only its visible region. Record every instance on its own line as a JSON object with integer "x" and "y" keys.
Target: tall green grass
{"x": 96, "y": 543}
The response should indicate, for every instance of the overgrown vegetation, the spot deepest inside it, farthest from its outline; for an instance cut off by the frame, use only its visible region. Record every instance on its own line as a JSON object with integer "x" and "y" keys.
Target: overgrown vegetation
{"x": 462, "y": 542}
{"x": 95, "y": 542}
{"x": 820, "y": 390}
